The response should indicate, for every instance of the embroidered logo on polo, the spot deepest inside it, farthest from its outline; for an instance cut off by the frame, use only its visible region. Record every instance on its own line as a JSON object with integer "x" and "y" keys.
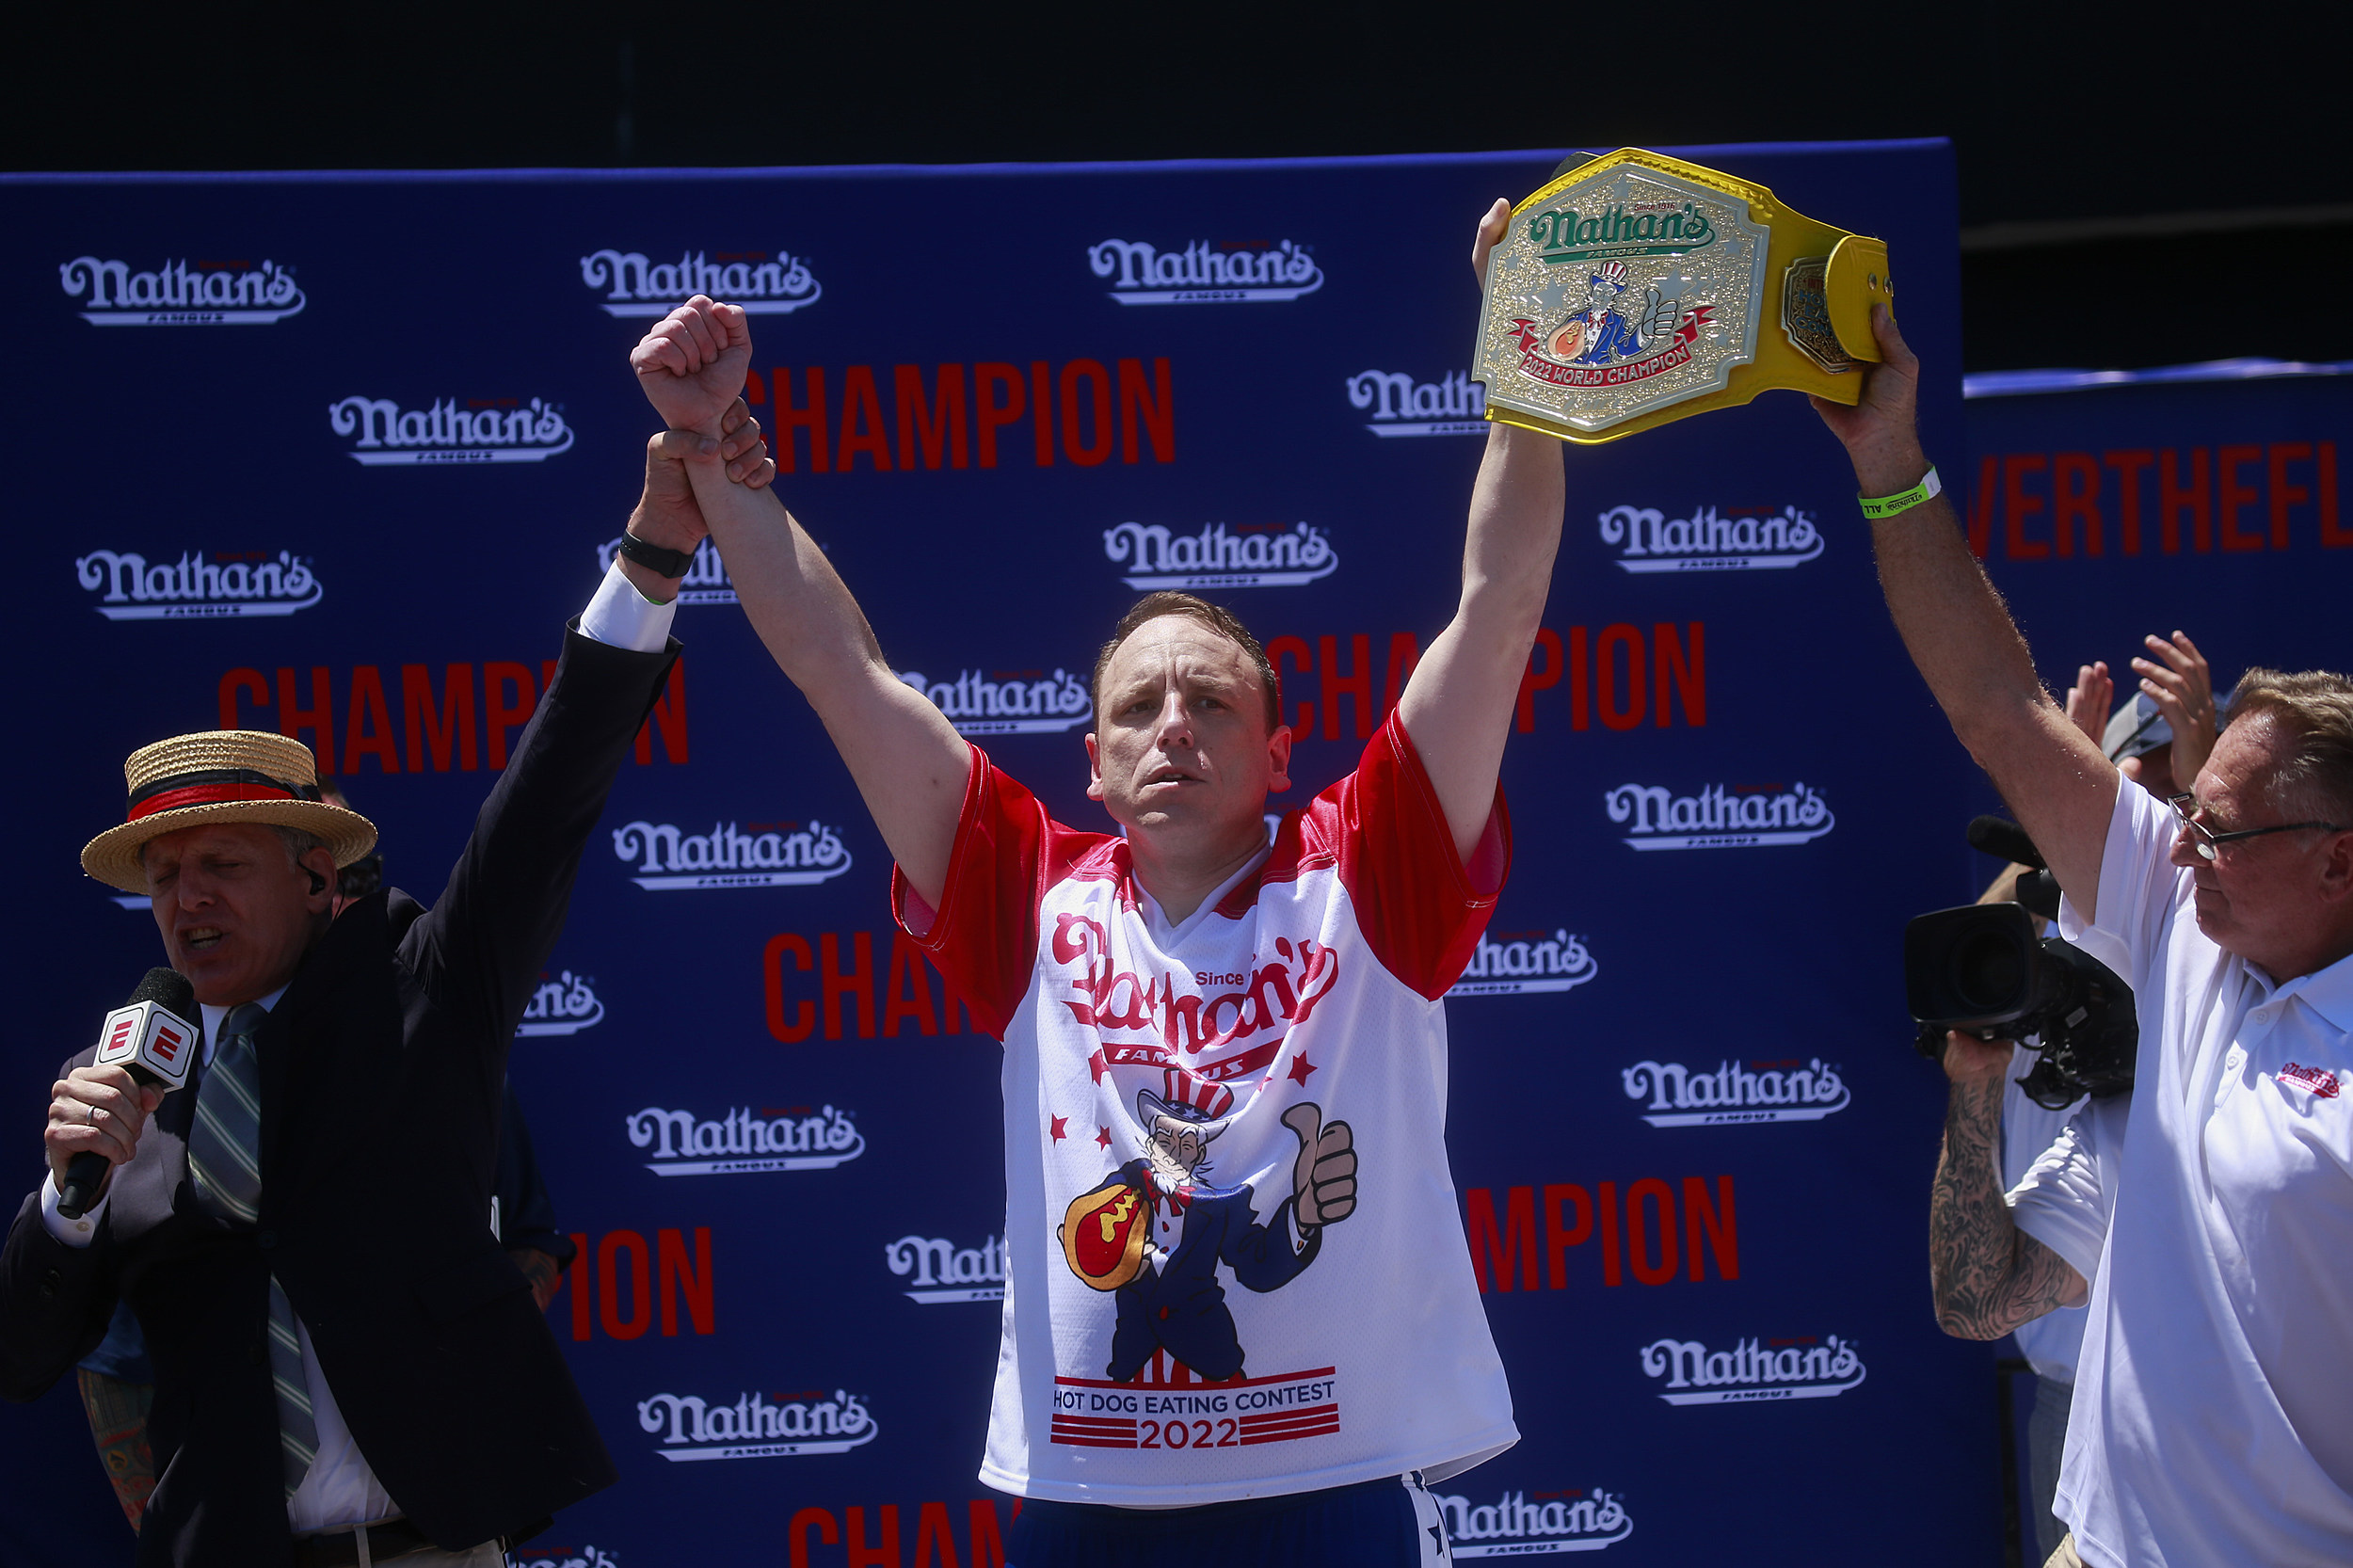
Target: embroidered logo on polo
{"x": 1256, "y": 556}
{"x": 1799, "y": 1368}
{"x": 1719, "y": 816}
{"x": 478, "y": 430}
{"x": 943, "y": 1271}
{"x": 757, "y": 1426}
{"x": 1509, "y": 964}
{"x": 209, "y": 294}
{"x": 1516, "y": 1526}
{"x": 198, "y": 586}
{"x": 1452, "y": 405}
{"x": 762, "y": 284}
{"x": 742, "y": 1141}
{"x": 1203, "y": 273}
{"x": 780, "y": 855}
{"x": 1677, "y": 1095}
{"x": 1004, "y": 702}
{"x": 565, "y": 1005}
{"x": 705, "y": 582}
{"x": 565, "y": 1557}
{"x": 2320, "y": 1081}
{"x": 1745, "y": 539}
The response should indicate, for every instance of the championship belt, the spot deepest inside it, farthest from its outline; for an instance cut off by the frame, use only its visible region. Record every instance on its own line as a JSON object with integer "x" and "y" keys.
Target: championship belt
{"x": 1103, "y": 1234}
{"x": 1634, "y": 289}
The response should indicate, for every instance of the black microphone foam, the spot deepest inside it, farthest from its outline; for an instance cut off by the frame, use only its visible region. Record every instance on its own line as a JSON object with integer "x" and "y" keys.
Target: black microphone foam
{"x": 2004, "y": 840}
{"x": 170, "y": 988}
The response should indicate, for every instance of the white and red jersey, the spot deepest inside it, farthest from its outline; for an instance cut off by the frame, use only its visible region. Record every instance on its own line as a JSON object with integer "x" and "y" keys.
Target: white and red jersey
{"x": 1172, "y": 1334}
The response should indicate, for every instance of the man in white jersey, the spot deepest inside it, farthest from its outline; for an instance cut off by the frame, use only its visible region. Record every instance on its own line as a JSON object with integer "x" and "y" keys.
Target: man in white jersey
{"x": 2213, "y": 1418}
{"x": 1199, "y": 989}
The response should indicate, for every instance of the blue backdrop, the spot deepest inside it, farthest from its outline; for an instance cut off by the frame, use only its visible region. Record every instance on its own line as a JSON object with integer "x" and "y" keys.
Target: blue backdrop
{"x": 338, "y": 454}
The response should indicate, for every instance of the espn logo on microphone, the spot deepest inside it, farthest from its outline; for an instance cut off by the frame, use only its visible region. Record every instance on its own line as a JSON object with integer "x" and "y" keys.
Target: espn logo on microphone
{"x": 147, "y": 1036}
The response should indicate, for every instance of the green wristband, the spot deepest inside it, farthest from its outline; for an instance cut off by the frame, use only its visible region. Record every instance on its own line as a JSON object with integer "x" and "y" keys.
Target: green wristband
{"x": 1888, "y": 506}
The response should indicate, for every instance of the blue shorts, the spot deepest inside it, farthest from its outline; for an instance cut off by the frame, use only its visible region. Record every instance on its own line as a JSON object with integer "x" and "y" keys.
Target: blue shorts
{"x": 1391, "y": 1523}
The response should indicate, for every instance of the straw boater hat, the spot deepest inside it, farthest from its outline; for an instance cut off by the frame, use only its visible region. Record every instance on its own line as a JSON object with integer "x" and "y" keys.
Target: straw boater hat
{"x": 221, "y": 775}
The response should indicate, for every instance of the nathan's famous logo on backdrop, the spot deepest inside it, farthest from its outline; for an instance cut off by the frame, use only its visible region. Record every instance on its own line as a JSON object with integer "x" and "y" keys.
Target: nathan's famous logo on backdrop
{"x": 482, "y": 430}
{"x": 210, "y": 293}
{"x": 744, "y": 1140}
{"x": 944, "y": 1272}
{"x": 1007, "y": 702}
{"x": 1518, "y": 1525}
{"x": 198, "y": 586}
{"x": 762, "y": 284}
{"x": 565, "y": 1005}
{"x": 1799, "y": 1368}
{"x": 1746, "y": 538}
{"x": 758, "y": 855}
{"x": 757, "y": 1426}
{"x": 1509, "y": 964}
{"x": 1203, "y": 273}
{"x": 1256, "y": 556}
{"x": 1736, "y": 1092}
{"x": 705, "y": 582}
{"x": 1402, "y": 406}
{"x": 1719, "y": 816}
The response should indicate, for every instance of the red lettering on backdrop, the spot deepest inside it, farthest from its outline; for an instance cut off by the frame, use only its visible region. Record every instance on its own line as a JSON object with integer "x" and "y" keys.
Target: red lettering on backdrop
{"x": 1533, "y": 680}
{"x": 2074, "y": 494}
{"x": 1356, "y": 687}
{"x": 772, "y": 970}
{"x": 1155, "y": 405}
{"x": 1097, "y": 409}
{"x": 667, "y": 719}
{"x": 1648, "y": 1221}
{"x": 881, "y": 1554}
{"x": 319, "y": 718}
{"x": 2285, "y": 495}
{"x": 791, "y": 416}
{"x": 235, "y": 686}
{"x": 917, "y": 429}
{"x": 2174, "y": 498}
{"x": 1688, "y": 674}
{"x": 1981, "y": 508}
{"x": 1278, "y": 652}
{"x": 2333, "y": 535}
{"x": 2017, "y": 505}
{"x": 497, "y": 677}
{"x": 371, "y": 723}
{"x": 2129, "y": 465}
{"x": 436, "y": 729}
{"x": 2232, "y": 497}
{"x": 1613, "y": 638}
{"x": 1042, "y": 411}
{"x": 988, "y": 378}
{"x": 862, "y": 422}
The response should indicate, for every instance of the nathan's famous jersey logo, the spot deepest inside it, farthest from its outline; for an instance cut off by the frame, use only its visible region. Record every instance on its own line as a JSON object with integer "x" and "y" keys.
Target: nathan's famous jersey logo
{"x": 1204, "y": 274}
{"x": 482, "y": 430}
{"x": 705, "y": 582}
{"x": 1007, "y": 702}
{"x": 200, "y": 585}
{"x": 210, "y": 293}
{"x": 1516, "y": 1525}
{"x": 765, "y": 855}
{"x": 762, "y": 284}
{"x": 944, "y": 1272}
{"x": 565, "y": 1005}
{"x": 1455, "y": 406}
{"x": 1510, "y": 965}
{"x": 1799, "y": 1368}
{"x": 742, "y": 1141}
{"x": 1736, "y": 1092}
{"x": 757, "y": 1426}
{"x": 1743, "y": 539}
{"x": 1738, "y": 817}
{"x": 1256, "y": 556}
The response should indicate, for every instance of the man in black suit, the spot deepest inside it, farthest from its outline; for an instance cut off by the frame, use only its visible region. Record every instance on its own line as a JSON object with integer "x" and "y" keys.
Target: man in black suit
{"x": 350, "y": 1367}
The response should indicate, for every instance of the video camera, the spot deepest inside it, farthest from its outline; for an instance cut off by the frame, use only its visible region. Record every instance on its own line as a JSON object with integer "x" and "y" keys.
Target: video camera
{"x": 1979, "y": 970}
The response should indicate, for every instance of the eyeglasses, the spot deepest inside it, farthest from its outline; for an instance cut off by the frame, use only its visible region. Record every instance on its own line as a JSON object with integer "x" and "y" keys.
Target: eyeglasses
{"x": 2205, "y": 839}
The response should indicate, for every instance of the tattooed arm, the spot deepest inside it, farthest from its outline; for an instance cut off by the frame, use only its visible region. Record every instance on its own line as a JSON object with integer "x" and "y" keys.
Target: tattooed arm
{"x": 118, "y": 1423}
{"x": 1989, "y": 1276}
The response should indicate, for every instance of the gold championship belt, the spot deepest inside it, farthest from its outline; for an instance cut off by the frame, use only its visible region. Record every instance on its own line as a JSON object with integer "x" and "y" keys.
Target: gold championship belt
{"x": 1634, "y": 289}
{"x": 1103, "y": 1234}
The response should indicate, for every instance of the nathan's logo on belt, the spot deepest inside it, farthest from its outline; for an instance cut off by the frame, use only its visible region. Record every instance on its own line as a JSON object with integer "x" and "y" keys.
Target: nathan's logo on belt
{"x": 1005, "y": 702}
{"x": 946, "y": 1273}
{"x": 1203, "y": 273}
{"x": 1262, "y": 555}
{"x": 1402, "y": 406}
{"x": 781, "y": 855}
{"x": 1516, "y": 1526}
{"x": 1736, "y": 1092}
{"x": 198, "y": 585}
{"x": 757, "y": 1426}
{"x": 763, "y": 284}
{"x": 1800, "y": 1368}
{"x": 482, "y": 430}
{"x": 565, "y": 1005}
{"x": 705, "y": 582}
{"x": 1529, "y": 962}
{"x": 1718, "y": 817}
{"x": 744, "y": 1140}
{"x": 211, "y": 294}
{"x": 1743, "y": 539}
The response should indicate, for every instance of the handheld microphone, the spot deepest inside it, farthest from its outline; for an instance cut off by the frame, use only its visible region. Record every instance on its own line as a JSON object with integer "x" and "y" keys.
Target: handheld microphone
{"x": 151, "y": 1038}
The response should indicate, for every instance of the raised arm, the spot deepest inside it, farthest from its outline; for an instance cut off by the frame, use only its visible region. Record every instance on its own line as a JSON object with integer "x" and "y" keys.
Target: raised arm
{"x": 1458, "y": 704}
{"x": 1989, "y": 1276}
{"x": 1961, "y": 636}
{"x": 909, "y": 760}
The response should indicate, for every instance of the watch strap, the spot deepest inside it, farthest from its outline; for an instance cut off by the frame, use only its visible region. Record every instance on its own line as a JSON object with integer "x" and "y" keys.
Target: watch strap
{"x": 668, "y": 563}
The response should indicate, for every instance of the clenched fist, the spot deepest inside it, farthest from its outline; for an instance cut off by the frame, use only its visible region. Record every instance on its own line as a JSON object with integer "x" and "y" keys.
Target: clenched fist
{"x": 1323, "y": 1177}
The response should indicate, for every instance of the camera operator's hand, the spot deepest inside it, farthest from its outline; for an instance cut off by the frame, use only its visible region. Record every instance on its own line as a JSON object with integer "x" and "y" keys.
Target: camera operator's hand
{"x": 2090, "y": 699}
{"x": 1974, "y": 1062}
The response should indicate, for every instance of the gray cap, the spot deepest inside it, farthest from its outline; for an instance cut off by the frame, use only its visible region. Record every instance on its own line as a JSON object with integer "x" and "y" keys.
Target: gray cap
{"x": 2137, "y": 729}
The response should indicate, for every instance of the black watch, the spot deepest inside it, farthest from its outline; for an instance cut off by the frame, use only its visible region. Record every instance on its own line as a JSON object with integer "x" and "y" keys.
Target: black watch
{"x": 668, "y": 563}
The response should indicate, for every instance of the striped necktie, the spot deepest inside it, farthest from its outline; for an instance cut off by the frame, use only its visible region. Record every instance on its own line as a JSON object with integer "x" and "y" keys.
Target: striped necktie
{"x": 224, "y": 1159}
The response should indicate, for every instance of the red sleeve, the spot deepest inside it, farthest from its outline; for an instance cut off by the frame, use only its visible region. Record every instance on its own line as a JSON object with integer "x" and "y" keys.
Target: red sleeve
{"x": 1419, "y": 906}
{"x": 983, "y": 935}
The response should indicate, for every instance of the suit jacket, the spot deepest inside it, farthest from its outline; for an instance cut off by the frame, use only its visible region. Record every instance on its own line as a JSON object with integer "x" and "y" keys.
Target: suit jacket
{"x": 1220, "y": 1227}
{"x": 381, "y": 1070}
